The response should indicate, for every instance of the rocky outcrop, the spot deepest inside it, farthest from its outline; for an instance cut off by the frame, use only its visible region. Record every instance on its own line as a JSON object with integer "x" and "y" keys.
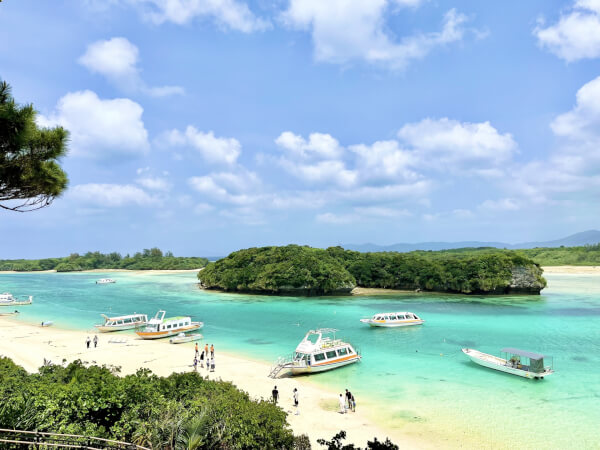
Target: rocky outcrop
{"x": 526, "y": 280}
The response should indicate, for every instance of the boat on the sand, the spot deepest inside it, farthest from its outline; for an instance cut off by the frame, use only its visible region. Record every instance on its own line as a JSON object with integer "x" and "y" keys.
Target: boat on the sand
{"x": 514, "y": 361}
{"x": 182, "y": 338}
{"x": 119, "y": 323}
{"x": 393, "y": 319}
{"x": 161, "y": 327}
{"x": 317, "y": 352}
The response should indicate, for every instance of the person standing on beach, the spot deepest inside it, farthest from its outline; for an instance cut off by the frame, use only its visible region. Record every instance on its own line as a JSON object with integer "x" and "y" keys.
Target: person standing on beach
{"x": 212, "y": 363}
{"x": 348, "y": 399}
{"x": 206, "y": 351}
{"x": 275, "y": 394}
{"x": 352, "y": 402}
{"x": 207, "y": 363}
{"x": 201, "y": 358}
{"x": 212, "y": 351}
{"x": 342, "y": 404}
{"x": 95, "y": 341}
{"x": 195, "y": 364}
{"x": 296, "y": 401}
{"x": 196, "y": 349}
{"x": 88, "y": 342}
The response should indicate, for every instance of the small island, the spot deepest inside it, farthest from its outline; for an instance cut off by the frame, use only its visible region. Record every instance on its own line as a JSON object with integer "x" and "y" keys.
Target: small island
{"x": 303, "y": 270}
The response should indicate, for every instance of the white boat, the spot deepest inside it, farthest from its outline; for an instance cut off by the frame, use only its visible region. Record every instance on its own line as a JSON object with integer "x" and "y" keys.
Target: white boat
{"x": 122, "y": 322}
{"x": 105, "y": 281}
{"x": 47, "y": 323}
{"x": 516, "y": 362}
{"x": 317, "y": 352}
{"x": 161, "y": 327}
{"x": 393, "y": 319}
{"x": 7, "y": 299}
{"x": 182, "y": 337}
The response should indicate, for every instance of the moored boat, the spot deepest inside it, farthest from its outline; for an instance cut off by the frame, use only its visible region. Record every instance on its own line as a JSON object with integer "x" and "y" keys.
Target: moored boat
{"x": 182, "y": 338}
{"x": 317, "y": 352}
{"x": 516, "y": 362}
{"x": 161, "y": 327}
{"x": 7, "y": 299}
{"x": 105, "y": 281}
{"x": 122, "y": 322}
{"x": 393, "y": 319}
{"x": 47, "y": 323}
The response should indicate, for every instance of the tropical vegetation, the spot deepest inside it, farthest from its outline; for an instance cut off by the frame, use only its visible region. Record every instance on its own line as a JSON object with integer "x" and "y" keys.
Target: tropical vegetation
{"x": 30, "y": 176}
{"x": 148, "y": 259}
{"x": 181, "y": 411}
{"x": 313, "y": 271}
{"x": 587, "y": 255}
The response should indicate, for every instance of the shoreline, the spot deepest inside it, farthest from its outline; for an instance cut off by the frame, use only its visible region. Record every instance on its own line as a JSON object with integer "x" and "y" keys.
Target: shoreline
{"x": 28, "y": 345}
{"x": 132, "y": 271}
{"x": 574, "y": 270}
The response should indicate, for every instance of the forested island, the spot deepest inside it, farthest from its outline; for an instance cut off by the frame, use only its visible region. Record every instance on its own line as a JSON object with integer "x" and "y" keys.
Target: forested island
{"x": 586, "y": 255}
{"x": 303, "y": 270}
{"x": 148, "y": 259}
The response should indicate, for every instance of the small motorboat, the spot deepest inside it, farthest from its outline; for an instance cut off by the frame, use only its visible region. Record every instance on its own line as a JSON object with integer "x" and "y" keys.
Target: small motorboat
{"x": 47, "y": 323}
{"x": 182, "y": 338}
{"x": 516, "y": 362}
{"x": 105, "y": 281}
{"x": 122, "y": 322}
{"x": 317, "y": 352}
{"x": 393, "y": 319}
{"x": 7, "y": 299}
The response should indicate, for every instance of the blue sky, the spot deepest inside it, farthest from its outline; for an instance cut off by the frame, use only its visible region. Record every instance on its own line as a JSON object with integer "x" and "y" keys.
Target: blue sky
{"x": 204, "y": 126}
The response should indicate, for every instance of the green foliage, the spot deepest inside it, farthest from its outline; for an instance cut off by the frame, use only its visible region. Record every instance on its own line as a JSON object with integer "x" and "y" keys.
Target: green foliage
{"x": 149, "y": 259}
{"x": 182, "y": 411}
{"x": 276, "y": 270}
{"x": 30, "y": 177}
{"x": 336, "y": 444}
{"x": 314, "y": 271}
{"x": 588, "y": 255}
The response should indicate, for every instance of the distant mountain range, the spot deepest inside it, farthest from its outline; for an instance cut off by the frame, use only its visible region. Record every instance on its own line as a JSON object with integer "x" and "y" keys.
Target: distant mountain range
{"x": 577, "y": 239}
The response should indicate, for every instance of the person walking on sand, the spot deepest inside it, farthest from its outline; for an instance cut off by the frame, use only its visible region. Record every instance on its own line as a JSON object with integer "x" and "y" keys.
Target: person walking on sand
{"x": 95, "y": 341}
{"x": 212, "y": 351}
{"x": 275, "y": 394}
{"x": 352, "y": 402}
{"x": 88, "y": 342}
{"x": 212, "y": 364}
{"x": 196, "y": 349}
{"x": 207, "y": 363}
{"x": 206, "y": 351}
{"x": 195, "y": 364}
{"x": 342, "y": 404}
{"x": 296, "y": 401}
{"x": 201, "y": 358}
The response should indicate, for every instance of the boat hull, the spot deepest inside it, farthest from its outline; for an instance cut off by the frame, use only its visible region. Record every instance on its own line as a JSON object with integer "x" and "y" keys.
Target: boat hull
{"x": 191, "y": 338}
{"x": 395, "y": 324}
{"x": 167, "y": 333}
{"x": 493, "y": 362}
{"x": 316, "y": 368}
{"x": 107, "y": 329}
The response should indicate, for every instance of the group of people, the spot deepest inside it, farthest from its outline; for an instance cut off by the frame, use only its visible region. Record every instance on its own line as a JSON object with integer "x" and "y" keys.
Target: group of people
{"x": 347, "y": 402}
{"x": 204, "y": 356}
{"x": 88, "y": 341}
{"x": 275, "y": 397}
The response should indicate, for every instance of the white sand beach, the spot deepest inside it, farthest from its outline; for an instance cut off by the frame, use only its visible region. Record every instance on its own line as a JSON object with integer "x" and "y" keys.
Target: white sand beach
{"x": 573, "y": 270}
{"x": 318, "y": 417}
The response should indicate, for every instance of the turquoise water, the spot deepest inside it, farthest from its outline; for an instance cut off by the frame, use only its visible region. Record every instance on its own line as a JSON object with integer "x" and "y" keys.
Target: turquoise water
{"x": 416, "y": 377}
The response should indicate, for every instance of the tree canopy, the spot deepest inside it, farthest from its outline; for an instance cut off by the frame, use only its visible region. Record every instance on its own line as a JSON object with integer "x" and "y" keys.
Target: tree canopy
{"x": 30, "y": 176}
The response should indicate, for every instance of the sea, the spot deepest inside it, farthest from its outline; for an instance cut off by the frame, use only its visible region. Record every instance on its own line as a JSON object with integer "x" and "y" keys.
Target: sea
{"x": 415, "y": 379}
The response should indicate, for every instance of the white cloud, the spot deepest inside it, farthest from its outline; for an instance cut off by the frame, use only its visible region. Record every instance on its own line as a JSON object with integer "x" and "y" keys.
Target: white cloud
{"x": 319, "y": 145}
{"x": 154, "y": 183}
{"x": 100, "y": 128}
{"x": 448, "y": 144}
{"x": 583, "y": 121}
{"x": 241, "y": 188}
{"x": 503, "y": 204}
{"x": 323, "y": 172}
{"x": 230, "y": 14}
{"x": 345, "y": 31}
{"x": 337, "y": 219}
{"x": 576, "y": 35}
{"x": 117, "y": 59}
{"x": 111, "y": 195}
{"x": 213, "y": 149}
{"x": 385, "y": 159}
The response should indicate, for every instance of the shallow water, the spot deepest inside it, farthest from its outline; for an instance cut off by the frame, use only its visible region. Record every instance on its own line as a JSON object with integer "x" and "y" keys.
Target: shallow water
{"x": 417, "y": 377}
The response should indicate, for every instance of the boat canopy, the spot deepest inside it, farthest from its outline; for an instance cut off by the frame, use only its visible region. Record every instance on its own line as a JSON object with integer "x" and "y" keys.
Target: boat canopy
{"x": 524, "y": 353}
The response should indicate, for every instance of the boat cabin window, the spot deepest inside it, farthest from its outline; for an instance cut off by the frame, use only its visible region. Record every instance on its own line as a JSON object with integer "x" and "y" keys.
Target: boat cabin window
{"x": 319, "y": 357}
{"x": 409, "y": 316}
{"x": 393, "y": 317}
{"x": 401, "y": 317}
{"x": 349, "y": 351}
{"x": 331, "y": 354}
{"x": 342, "y": 351}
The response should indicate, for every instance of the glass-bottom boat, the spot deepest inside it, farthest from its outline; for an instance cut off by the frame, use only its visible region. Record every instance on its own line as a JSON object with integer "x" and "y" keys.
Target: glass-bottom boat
{"x": 122, "y": 322}
{"x": 393, "y": 319}
{"x": 317, "y": 352}
{"x": 7, "y": 299}
{"x": 161, "y": 327}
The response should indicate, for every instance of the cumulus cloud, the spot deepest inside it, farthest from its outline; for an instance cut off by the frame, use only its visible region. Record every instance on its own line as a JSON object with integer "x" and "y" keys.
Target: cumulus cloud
{"x": 583, "y": 121}
{"x": 228, "y": 14}
{"x": 503, "y": 204}
{"x": 576, "y": 35}
{"x": 447, "y": 143}
{"x": 346, "y": 31}
{"x": 100, "y": 128}
{"x": 111, "y": 195}
{"x": 213, "y": 149}
{"x": 385, "y": 160}
{"x": 117, "y": 59}
{"x": 319, "y": 145}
